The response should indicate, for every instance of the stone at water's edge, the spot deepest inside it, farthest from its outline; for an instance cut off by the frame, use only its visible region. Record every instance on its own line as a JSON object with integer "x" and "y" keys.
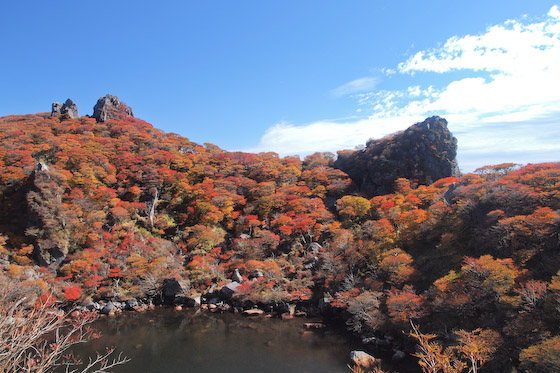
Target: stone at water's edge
{"x": 253, "y": 312}
{"x": 363, "y": 359}
{"x": 107, "y": 309}
{"x": 314, "y": 325}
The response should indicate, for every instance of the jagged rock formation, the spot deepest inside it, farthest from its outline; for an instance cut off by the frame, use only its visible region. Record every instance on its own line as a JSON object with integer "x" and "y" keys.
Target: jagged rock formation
{"x": 56, "y": 108}
{"x": 423, "y": 153}
{"x": 42, "y": 207}
{"x": 110, "y": 107}
{"x": 68, "y": 110}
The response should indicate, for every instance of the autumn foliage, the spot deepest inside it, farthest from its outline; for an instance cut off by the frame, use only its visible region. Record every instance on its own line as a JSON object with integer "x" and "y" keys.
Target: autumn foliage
{"x": 107, "y": 211}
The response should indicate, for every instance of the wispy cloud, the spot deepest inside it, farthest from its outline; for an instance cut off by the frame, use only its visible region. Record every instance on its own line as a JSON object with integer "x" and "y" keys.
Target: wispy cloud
{"x": 288, "y": 139}
{"x": 355, "y": 86}
{"x": 507, "y": 109}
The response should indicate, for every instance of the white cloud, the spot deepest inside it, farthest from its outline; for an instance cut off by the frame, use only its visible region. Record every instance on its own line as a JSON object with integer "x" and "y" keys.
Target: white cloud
{"x": 554, "y": 12}
{"x": 388, "y": 72}
{"x": 357, "y": 85}
{"x": 288, "y": 139}
{"x": 507, "y": 109}
{"x": 510, "y": 48}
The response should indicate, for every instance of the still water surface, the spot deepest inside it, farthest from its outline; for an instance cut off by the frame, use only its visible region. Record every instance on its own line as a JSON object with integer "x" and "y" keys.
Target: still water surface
{"x": 182, "y": 341}
{"x": 166, "y": 340}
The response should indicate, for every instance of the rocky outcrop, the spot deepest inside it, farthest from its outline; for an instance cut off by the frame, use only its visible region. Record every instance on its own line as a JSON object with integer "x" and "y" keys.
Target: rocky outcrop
{"x": 37, "y": 201}
{"x": 170, "y": 289}
{"x": 423, "y": 153}
{"x": 110, "y": 107}
{"x": 67, "y": 110}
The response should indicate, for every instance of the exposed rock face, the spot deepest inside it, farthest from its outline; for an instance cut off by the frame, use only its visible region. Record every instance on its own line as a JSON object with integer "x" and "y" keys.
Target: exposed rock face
{"x": 41, "y": 167}
{"x": 68, "y": 110}
{"x": 423, "y": 153}
{"x": 110, "y": 107}
{"x": 56, "y": 108}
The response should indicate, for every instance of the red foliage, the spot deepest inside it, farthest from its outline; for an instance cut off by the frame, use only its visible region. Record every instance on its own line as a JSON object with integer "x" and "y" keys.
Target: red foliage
{"x": 73, "y": 293}
{"x": 299, "y": 295}
{"x": 115, "y": 272}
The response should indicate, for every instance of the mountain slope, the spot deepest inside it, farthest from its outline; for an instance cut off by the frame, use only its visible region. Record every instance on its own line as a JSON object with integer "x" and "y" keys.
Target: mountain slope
{"x": 117, "y": 212}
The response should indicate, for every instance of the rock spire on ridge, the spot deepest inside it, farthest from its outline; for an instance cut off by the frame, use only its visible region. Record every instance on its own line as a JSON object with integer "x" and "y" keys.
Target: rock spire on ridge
{"x": 110, "y": 107}
{"x": 423, "y": 153}
{"x": 68, "y": 110}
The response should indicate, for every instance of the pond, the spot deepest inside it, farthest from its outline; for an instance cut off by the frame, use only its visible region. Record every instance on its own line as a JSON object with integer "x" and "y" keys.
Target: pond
{"x": 166, "y": 340}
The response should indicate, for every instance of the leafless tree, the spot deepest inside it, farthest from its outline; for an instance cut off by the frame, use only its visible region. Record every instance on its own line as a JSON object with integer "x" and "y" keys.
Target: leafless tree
{"x": 37, "y": 337}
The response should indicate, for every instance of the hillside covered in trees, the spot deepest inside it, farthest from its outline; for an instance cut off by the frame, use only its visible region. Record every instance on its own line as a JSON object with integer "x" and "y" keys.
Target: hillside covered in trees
{"x": 109, "y": 212}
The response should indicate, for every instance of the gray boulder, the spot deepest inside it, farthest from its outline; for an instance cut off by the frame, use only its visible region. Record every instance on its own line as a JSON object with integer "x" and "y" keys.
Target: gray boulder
{"x": 92, "y": 306}
{"x": 237, "y": 276}
{"x": 131, "y": 303}
{"x": 229, "y": 289}
{"x": 363, "y": 359}
{"x": 108, "y": 308}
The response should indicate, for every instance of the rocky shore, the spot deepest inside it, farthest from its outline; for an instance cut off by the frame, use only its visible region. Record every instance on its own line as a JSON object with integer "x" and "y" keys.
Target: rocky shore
{"x": 222, "y": 300}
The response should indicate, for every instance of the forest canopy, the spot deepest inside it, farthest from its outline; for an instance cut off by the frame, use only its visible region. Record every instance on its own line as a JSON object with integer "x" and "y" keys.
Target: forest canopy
{"x": 109, "y": 211}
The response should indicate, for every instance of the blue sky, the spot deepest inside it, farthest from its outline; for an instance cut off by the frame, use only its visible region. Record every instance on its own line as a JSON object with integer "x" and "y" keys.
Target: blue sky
{"x": 296, "y": 77}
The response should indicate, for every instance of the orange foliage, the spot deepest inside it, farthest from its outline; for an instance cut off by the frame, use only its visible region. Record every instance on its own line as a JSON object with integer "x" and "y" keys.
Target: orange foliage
{"x": 397, "y": 266}
{"x": 404, "y": 305}
{"x": 124, "y": 203}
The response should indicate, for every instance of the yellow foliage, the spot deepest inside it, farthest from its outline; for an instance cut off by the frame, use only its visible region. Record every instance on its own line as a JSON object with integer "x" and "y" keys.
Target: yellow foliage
{"x": 555, "y": 283}
{"x": 543, "y": 357}
{"x": 14, "y": 271}
{"x": 79, "y": 266}
{"x": 22, "y": 260}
